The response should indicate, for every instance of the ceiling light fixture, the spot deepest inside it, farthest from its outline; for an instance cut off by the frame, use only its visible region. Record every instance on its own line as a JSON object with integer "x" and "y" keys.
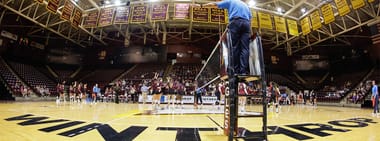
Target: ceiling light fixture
{"x": 251, "y": 3}
{"x": 303, "y": 10}
{"x": 279, "y": 10}
{"x": 107, "y": 2}
{"x": 117, "y": 2}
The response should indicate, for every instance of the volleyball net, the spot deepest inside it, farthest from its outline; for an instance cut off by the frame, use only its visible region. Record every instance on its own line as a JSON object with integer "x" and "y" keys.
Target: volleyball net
{"x": 218, "y": 65}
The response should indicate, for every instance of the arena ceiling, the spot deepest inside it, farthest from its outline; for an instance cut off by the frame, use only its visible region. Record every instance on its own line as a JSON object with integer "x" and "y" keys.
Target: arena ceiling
{"x": 172, "y": 31}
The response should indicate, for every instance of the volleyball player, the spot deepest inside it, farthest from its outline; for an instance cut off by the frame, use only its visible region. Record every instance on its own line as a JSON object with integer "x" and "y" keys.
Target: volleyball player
{"x": 164, "y": 92}
{"x": 86, "y": 94}
{"x": 95, "y": 92}
{"x": 242, "y": 94}
{"x": 181, "y": 89}
{"x": 71, "y": 93}
{"x": 273, "y": 91}
{"x": 156, "y": 86}
{"x": 171, "y": 92}
{"x": 313, "y": 98}
{"x": 60, "y": 90}
{"x": 79, "y": 92}
{"x": 198, "y": 96}
{"x": 218, "y": 92}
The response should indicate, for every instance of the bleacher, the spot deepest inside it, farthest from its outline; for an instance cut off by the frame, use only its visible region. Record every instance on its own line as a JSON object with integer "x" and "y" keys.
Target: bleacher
{"x": 33, "y": 77}
{"x": 102, "y": 76}
{"x": 187, "y": 73}
{"x": 284, "y": 81}
{"x": 63, "y": 72}
{"x": 10, "y": 78}
{"x": 145, "y": 71}
{"x": 343, "y": 83}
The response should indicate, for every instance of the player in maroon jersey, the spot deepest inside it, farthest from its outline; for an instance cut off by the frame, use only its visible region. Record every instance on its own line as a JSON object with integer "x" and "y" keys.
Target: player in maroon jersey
{"x": 181, "y": 89}
{"x": 170, "y": 92}
{"x": 242, "y": 94}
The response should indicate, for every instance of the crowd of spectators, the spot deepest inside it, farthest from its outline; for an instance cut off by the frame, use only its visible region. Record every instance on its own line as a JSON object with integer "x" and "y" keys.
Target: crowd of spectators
{"x": 358, "y": 94}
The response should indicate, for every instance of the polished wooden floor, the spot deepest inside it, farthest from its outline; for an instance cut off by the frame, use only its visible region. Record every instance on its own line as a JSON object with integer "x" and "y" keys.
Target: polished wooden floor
{"x": 39, "y": 121}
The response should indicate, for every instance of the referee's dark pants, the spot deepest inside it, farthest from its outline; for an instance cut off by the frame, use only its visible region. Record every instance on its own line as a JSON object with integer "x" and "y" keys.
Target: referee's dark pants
{"x": 376, "y": 106}
{"x": 240, "y": 30}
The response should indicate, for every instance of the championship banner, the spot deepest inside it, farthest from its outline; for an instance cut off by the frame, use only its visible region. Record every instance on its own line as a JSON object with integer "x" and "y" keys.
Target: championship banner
{"x": 181, "y": 11}
{"x": 91, "y": 20}
{"x": 254, "y": 22}
{"x": 39, "y": 1}
{"x": 201, "y": 14}
{"x": 279, "y": 22}
{"x": 67, "y": 10}
{"x": 218, "y": 15}
{"x": 139, "y": 14}
{"x": 159, "y": 12}
{"x": 315, "y": 20}
{"x": 328, "y": 14}
{"x": 77, "y": 18}
{"x": 106, "y": 16}
{"x": 343, "y": 7}
{"x": 356, "y": 4}
{"x": 52, "y": 6}
{"x": 121, "y": 15}
{"x": 265, "y": 20}
{"x": 305, "y": 25}
{"x": 292, "y": 27}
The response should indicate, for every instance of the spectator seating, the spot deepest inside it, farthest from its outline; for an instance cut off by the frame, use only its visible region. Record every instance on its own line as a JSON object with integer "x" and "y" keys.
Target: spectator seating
{"x": 10, "y": 78}
{"x": 33, "y": 77}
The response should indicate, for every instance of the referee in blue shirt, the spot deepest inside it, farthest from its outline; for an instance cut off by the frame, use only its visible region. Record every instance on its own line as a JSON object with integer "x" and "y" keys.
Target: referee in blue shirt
{"x": 375, "y": 97}
{"x": 239, "y": 16}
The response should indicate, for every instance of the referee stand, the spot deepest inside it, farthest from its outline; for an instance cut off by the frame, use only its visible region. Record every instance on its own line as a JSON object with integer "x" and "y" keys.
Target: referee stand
{"x": 231, "y": 112}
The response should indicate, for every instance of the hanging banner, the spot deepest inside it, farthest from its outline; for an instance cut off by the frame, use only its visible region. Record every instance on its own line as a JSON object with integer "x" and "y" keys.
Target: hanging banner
{"x": 218, "y": 15}
{"x": 67, "y": 10}
{"x": 159, "y": 12}
{"x": 106, "y": 17}
{"x": 343, "y": 7}
{"x": 371, "y": 0}
{"x": 121, "y": 15}
{"x": 279, "y": 22}
{"x": 91, "y": 20}
{"x": 201, "y": 14}
{"x": 292, "y": 27}
{"x": 52, "y": 6}
{"x": 356, "y": 4}
{"x": 265, "y": 20}
{"x": 328, "y": 14}
{"x": 315, "y": 20}
{"x": 254, "y": 22}
{"x": 181, "y": 11}
{"x": 39, "y": 1}
{"x": 139, "y": 14}
{"x": 76, "y": 18}
{"x": 305, "y": 25}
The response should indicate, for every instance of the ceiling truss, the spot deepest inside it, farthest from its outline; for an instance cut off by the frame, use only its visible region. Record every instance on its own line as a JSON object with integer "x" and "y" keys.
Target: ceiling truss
{"x": 171, "y": 31}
